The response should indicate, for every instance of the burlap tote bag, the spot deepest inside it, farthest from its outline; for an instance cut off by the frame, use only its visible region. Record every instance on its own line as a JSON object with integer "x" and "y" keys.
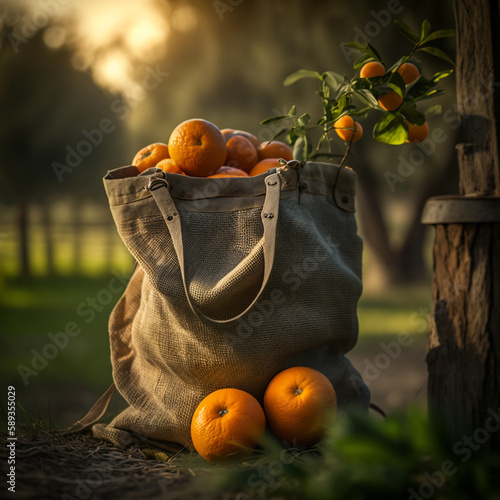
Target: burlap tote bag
{"x": 236, "y": 280}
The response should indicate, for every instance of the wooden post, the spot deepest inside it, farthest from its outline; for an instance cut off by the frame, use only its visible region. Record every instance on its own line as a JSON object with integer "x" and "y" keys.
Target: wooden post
{"x": 464, "y": 342}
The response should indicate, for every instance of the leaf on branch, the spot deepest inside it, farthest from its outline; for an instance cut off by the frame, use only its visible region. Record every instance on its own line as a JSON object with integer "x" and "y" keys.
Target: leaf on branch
{"x": 274, "y": 119}
{"x": 362, "y": 60}
{"x": 332, "y": 79}
{"x": 396, "y": 89}
{"x": 277, "y": 134}
{"x": 298, "y": 75}
{"x": 439, "y": 34}
{"x": 300, "y": 149}
{"x": 367, "y": 97}
{"x": 406, "y": 31}
{"x": 374, "y": 52}
{"x": 425, "y": 30}
{"x": 429, "y": 95}
{"x": 390, "y": 129}
{"x": 441, "y": 74}
{"x": 437, "y": 52}
{"x": 409, "y": 111}
{"x": 304, "y": 119}
{"x": 434, "y": 110}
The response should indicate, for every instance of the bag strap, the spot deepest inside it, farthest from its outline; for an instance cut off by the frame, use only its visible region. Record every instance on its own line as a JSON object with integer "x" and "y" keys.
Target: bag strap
{"x": 159, "y": 188}
{"x": 93, "y": 415}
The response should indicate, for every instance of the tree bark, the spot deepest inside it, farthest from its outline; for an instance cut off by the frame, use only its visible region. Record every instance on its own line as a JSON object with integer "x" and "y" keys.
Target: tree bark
{"x": 464, "y": 341}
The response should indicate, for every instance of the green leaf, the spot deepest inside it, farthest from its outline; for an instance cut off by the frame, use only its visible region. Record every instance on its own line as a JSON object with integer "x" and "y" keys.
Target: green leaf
{"x": 436, "y": 52}
{"x": 429, "y": 95}
{"x": 397, "y": 79}
{"x": 304, "y": 119}
{"x": 439, "y": 34}
{"x": 362, "y": 60}
{"x": 437, "y": 109}
{"x": 292, "y": 111}
{"x": 409, "y": 111}
{"x": 441, "y": 74}
{"x": 374, "y": 52}
{"x": 300, "y": 149}
{"x": 331, "y": 79}
{"x": 406, "y": 31}
{"x": 367, "y": 97}
{"x": 358, "y": 46}
{"x": 298, "y": 75}
{"x": 425, "y": 29}
{"x": 397, "y": 64}
{"x": 277, "y": 134}
{"x": 396, "y": 89}
{"x": 274, "y": 119}
{"x": 390, "y": 129}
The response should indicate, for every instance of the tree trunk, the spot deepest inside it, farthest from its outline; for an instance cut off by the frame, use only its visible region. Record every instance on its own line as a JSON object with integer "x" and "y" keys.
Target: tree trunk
{"x": 78, "y": 227}
{"x": 23, "y": 229}
{"x": 464, "y": 342}
{"x": 405, "y": 264}
{"x": 47, "y": 235}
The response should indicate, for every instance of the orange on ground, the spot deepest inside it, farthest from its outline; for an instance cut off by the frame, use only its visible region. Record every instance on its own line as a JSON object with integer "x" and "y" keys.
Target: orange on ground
{"x": 417, "y": 133}
{"x": 390, "y": 101}
{"x": 150, "y": 155}
{"x": 198, "y": 146}
{"x": 409, "y": 72}
{"x": 264, "y": 166}
{"x": 371, "y": 69}
{"x": 348, "y": 129}
{"x": 227, "y": 422}
{"x": 297, "y": 403}
{"x": 169, "y": 165}
{"x": 275, "y": 149}
{"x": 241, "y": 153}
{"x": 249, "y": 136}
{"x": 228, "y": 172}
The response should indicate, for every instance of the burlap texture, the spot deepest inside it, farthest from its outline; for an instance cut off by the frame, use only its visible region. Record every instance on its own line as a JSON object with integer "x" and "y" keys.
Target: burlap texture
{"x": 166, "y": 360}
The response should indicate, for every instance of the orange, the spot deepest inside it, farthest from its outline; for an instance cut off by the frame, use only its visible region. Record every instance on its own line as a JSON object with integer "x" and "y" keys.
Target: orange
{"x": 275, "y": 149}
{"x": 371, "y": 69}
{"x": 390, "y": 101}
{"x": 264, "y": 166}
{"x": 150, "y": 155}
{"x": 297, "y": 403}
{"x": 241, "y": 153}
{"x": 227, "y": 422}
{"x": 417, "y": 133}
{"x": 198, "y": 146}
{"x": 249, "y": 136}
{"x": 227, "y": 133}
{"x": 169, "y": 165}
{"x": 229, "y": 172}
{"x": 348, "y": 129}
{"x": 409, "y": 72}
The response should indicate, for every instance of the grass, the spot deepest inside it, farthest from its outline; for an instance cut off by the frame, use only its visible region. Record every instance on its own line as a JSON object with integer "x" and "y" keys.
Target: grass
{"x": 34, "y": 311}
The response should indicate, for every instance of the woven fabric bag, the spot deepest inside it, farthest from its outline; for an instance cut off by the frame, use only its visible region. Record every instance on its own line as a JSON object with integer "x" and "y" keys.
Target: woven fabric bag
{"x": 236, "y": 280}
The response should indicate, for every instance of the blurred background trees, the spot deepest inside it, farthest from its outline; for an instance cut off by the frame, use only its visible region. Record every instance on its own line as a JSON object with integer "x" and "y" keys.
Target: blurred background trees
{"x": 147, "y": 66}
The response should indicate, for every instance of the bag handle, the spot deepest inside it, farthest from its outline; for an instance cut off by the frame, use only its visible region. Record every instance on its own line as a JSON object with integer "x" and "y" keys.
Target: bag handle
{"x": 159, "y": 188}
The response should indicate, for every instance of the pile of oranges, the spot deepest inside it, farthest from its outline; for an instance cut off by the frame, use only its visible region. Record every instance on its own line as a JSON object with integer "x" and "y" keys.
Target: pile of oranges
{"x": 297, "y": 404}
{"x": 198, "y": 148}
